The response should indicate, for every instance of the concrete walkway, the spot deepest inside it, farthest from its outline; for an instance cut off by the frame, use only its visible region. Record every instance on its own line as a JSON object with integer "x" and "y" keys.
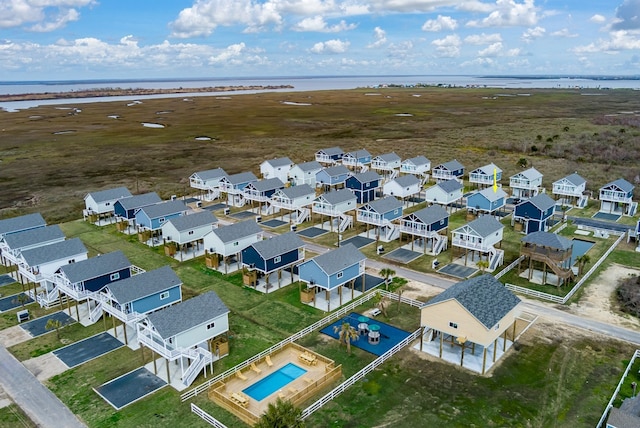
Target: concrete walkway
{"x": 40, "y": 404}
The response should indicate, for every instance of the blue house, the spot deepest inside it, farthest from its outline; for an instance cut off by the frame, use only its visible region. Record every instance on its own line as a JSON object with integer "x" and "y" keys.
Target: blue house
{"x": 20, "y": 224}
{"x": 334, "y": 176}
{"x": 273, "y": 255}
{"x": 427, "y": 228}
{"x": 534, "y": 214}
{"x": 486, "y": 201}
{"x": 364, "y": 185}
{"x": 261, "y": 191}
{"x": 152, "y": 217}
{"x": 448, "y": 171}
{"x": 332, "y": 270}
{"x": 79, "y": 280}
{"x": 330, "y": 156}
{"x": 129, "y": 300}
{"x": 381, "y": 213}
{"x": 126, "y": 208}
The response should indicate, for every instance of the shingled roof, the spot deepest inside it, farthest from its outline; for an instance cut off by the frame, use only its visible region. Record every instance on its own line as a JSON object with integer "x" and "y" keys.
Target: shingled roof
{"x": 144, "y": 284}
{"x": 138, "y": 201}
{"x": 192, "y": 221}
{"x": 339, "y": 259}
{"x": 236, "y": 231}
{"x": 548, "y": 239}
{"x": 188, "y": 314}
{"x": 52, "y": 252}
{"x": 278, "y": 245}
{"x": 483, "y": 296}
{"x": 109, "y": 194}
{"x": 95, "y": 266}
{"x": 30, "y": 237}
{"x": 24, "y": 222}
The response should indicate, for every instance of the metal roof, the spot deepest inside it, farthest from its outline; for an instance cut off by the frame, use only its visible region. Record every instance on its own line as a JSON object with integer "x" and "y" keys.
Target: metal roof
{"x": 138, "y": 201}
{"x": 278, "y": 245}
{"x": 30, "y": 237}
{"x": 339, "y": 259}
{"x": 96, "y": 266}
{"x": 236, "y": 231}
{"x": 548, "y": 239}
{"x": 17, "y": 224}
{"x": 109, "y": 194}
{"x": 193, "y": 221}
{"x": 188, "y": 314}
{"x": 486, "y": 298}
{"x": 52, "y": 252}
{"x": 144, "y": 284}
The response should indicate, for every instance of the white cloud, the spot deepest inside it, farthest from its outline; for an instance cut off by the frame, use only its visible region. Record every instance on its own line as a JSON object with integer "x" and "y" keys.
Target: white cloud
{"x": 618, "y": 41}
{"x": 481, "y": 62}
{"x": 508, "y": 13}
{"x": 448, "y": 47}
{"x": 380, "y": 38}
{"x": 533, "y": 33}
{"x": 231, "y": 53}
{"x": 45, "y": 15}
{"x": 564, "y": 33}
{"x": 627, "y": 16}
{"x": 334, "y": 46}
{"x": 206, "y": 15}
{"x": 318, "y": 24}
{"x": 441, "y": 23}
{"x": 598, "y": 19}
{"x": 492, "y": 50}
{"x": 483, "y": 39}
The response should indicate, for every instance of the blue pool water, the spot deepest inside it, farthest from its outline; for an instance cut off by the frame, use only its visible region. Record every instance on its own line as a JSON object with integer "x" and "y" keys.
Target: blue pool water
{"x": 275, "y": 381}
{"x": 580, "y": 247}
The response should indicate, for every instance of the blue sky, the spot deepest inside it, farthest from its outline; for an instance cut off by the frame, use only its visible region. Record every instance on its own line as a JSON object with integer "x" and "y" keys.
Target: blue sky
{"x": 91, "y": 39}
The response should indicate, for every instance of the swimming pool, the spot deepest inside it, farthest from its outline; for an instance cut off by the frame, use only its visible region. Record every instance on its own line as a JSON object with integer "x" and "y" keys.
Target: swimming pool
{"x": 580, "y": 247}
{"x": 275, "y": 381}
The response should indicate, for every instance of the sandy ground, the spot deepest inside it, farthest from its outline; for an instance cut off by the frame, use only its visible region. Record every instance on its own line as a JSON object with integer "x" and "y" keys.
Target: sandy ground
{"x": 13, "y": 335}
{"x": 45, "y": 366}
{"x": 4, "y": 399}
{"x": 595, "y": 302}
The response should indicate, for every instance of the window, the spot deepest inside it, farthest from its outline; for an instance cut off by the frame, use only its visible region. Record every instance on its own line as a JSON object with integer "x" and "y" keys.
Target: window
{"x": 115, "y": 276}
{"x": 211, "y": 325}
{"x": 497, "y": 326}
{"x": 164, "y": 295}
{"x": 277, "y": 259}
{"x": 161, "y": 220}
{"x": 72, "y": 261}
{"x": 107, "y": 204}
{"x": 339, "y": 275}
{"x": 191, "y": 232}
{"x": 442, "y": 222}
{"x": 235, "y": 244}
{"x": 396, "y": 211}
{"x": 453, "y": 324}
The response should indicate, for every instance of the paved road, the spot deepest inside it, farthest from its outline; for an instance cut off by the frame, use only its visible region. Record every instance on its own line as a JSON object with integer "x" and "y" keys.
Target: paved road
{"x": 40, "y": 404}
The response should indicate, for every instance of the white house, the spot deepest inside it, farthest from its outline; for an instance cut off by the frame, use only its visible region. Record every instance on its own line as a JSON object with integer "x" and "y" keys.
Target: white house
{"x": 418, "y": 165}
{"x": 444, "y": 193}
{"x": 21, "y": 223}
{"x": 485, "y": 176}
{"x": 336, "y": 204}
{"x": 479, "y": 236}
{"x": 13, "y": 244}
{"x": 304, "y": 173}
{"x": 276, "y": 168}
{"x": 208, "y": 181}
{"x": 386, "y": 163}
{"x": 402, "y": 187}
{"x": 189, "y": 229}
{"x": 525, "y": 184}
{"x": 296, "y": 198}
{"x": 570, "y": 190}
{"x": 101, "y": 203}
{"x": 227, "y": 242}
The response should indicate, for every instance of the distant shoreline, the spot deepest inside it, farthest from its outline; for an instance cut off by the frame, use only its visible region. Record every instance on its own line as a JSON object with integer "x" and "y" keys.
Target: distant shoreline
{"x": 115, "y": 92}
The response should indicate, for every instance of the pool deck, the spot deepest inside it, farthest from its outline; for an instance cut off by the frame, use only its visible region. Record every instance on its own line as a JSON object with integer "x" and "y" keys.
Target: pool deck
{"x": 318, "y": 376}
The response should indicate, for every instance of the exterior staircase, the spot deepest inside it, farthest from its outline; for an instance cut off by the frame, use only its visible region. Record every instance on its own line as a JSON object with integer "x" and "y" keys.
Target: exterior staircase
{"x": 346, "y": 221}
{"x": 582, "y": 202}
{"x": 440, "y": 244}
{"x": 302, "y": 215}
{"x": 364, "y": 168}
{"x": 497, "y": 258}
{"x": 391, "y": 232}
{"x": 204, "y": 357}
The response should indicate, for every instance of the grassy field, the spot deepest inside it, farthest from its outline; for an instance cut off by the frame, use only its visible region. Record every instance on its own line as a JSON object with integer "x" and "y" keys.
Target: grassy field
{"x": 557, "y": 131}
{"x": 545, "y": 382}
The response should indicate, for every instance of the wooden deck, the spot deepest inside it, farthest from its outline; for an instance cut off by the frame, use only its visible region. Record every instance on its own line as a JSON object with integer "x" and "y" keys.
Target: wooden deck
{"x": 321, "y": 372}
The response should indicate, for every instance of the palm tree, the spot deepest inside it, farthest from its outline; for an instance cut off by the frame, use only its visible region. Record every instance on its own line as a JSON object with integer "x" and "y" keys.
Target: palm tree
{"x": 482, "y": 265}
{"x": 346, "y": 333}
{"x": 281, "y": 414}
{"x": 54, "y": 324}
{"x": 22, "y": 299}
{"x": 381, "y": 302}
{"x": 386, "y": 273}
{"x": 582, "y": 260}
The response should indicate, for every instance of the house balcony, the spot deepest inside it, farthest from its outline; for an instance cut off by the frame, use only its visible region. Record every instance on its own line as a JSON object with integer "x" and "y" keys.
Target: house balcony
{"x": 229, "y": 189}
{"x": 198, "y": 184}
{"x": 615, "y": 197}
{"x": 418, "y": 231}
{"x": 481, "y": 178}
{"x": 330, "y": 211}
{"x": 544, "y": 254}
{"x": 381, "y": 166}
{"x": 524, "y": 184}
{"x": 255, "y": 196}
{"x": 322, "y": 158}
{"x": 78, "y": 294}
{"x": 471, "y": 245}
{"x": 31, "y": 274}
{"x": 375, "y": 220}
{"x": 152, "y": 340}
{"x": 442, "y": 175}
{"x": 567, "y": 191}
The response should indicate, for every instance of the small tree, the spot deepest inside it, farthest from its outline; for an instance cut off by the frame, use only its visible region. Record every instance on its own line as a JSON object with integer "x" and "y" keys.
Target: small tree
{"x": 522, "y": 162}
{"x": 346, "y": 333}
{"x": 381, "y": 302}
{"x": 22, "y": 299}
{"x": 482, "y": 265}
{"x": 54, "y": 324}
{"x": 281, "y": 414}
{"x": 582, "y": 260}
{"x": 387, "y": 273}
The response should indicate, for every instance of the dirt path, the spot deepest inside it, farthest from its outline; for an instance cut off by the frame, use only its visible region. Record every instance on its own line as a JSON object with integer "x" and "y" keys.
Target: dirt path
{"x": 13, "y": 335}
{"x": 45, "y": 366}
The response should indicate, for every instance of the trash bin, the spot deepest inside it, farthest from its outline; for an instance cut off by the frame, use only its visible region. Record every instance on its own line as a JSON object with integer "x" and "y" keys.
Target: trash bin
{"x": 23, "y": 315}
